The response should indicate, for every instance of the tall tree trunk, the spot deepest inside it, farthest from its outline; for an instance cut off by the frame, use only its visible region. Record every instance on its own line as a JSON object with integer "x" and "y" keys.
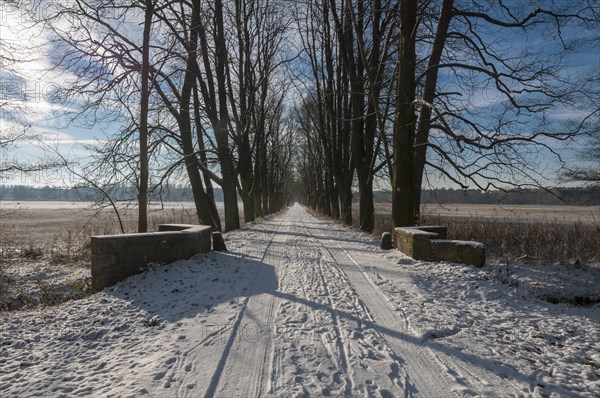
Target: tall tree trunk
{"x": 265, "y": 183}
{"x": 259, "y": 178}
{"x": 202, "y": 151}
{"x": 232, "y": 216}
{"x": 403, "y": 206}
{"x": 332, "y": 193}
{"x": 201, "y": 199}
{"x": 344, "y": 138}
{"x": 246, "y": 179}
{"x": 144, "y": 172}
{"x": 366, "y": 206}
{"x": 373, "y": 62}
{"x": 362, "y": 142}
{"x": 345, "y": 193}
{"x": 428, "y": 97}
{"x": 242, "y": 119}
{"x": 258, "y": 208}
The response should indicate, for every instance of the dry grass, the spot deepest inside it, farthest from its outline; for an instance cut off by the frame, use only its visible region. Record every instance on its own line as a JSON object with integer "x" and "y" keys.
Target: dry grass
{"x": 538, "y": 243}
{"x": 62, "y": 236}
{"x": 516, "y": 240}
{"x": 45, "y": 253}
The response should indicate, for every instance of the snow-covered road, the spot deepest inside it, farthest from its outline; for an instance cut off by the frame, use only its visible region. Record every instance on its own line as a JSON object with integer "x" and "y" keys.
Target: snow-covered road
{"x": 303, "y": 307}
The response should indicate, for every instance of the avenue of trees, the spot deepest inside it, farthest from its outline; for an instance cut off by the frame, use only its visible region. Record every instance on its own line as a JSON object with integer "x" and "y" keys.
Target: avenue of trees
{"x": 195, "y": 87}
{"x": 453, "y": 87}
{"x": 322, "y": 100}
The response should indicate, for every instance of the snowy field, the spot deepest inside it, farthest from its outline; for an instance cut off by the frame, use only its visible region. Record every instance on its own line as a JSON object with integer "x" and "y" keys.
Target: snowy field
{"x": 566, "y": 214}
{"x": 303, "y": 307}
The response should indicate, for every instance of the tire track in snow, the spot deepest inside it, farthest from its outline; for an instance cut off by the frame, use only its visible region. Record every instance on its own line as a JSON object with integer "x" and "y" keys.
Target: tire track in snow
{"x": 308, "y": 359}
{"x": 465, "y": 378}
{"x": 423, "y": 377}
{"x": 185, "y": 368}
{"x": 274, "y": 363}
{"x": 359, "y": 374}
{"x": 470, "y": 379}
{"x": 420, "y": 380}
{"x": 306, "y": 362}
{"x": 245, "y": 365}
{"x": 341, "y": 341}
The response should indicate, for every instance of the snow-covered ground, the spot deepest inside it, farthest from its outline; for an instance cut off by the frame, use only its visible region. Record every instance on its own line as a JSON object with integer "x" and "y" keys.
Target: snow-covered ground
{"x": 303, "y": 307}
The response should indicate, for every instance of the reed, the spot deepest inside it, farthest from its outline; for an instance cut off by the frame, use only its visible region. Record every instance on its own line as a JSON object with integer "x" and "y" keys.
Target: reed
{"x": 521, "y": 241}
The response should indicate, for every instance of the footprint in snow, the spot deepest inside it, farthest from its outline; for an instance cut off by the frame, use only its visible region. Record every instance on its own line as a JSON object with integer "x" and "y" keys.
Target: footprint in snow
{"x": 169, "y": 362}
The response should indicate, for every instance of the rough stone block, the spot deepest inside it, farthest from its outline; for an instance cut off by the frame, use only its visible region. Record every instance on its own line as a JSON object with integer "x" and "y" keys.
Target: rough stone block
{"x": 386, "y": 241}
{"x": 429, "y": 244}
{"x": 115, "y": 257}
{"x": 460, "y": 251}
{"x": 439, "y": 230}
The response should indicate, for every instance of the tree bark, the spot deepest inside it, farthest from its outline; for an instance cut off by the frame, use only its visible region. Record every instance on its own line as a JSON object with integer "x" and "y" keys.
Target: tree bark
{"x": 232, "y": 216}
{"x": 202, "y": 151}
{"x": 247, "y": 178}
{"x": 403, "y": 209}
{"x": 201, "y": 199}
{"x": 431, "y": 75}
{"x": 143, "y": 140}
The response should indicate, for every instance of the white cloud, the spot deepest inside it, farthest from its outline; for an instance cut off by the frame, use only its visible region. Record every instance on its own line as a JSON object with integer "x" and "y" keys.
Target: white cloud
{"x": 27, "y": 79}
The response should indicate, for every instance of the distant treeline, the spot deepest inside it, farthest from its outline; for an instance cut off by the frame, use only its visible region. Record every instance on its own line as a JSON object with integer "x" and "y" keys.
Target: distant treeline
{"x": 82, "y": 194}
{"x": 554, "y": 196}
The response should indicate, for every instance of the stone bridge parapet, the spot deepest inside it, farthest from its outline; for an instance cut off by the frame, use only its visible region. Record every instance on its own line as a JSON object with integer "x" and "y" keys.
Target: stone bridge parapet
{"x": 116, "y": 257}
{"x": 429, "y": 243}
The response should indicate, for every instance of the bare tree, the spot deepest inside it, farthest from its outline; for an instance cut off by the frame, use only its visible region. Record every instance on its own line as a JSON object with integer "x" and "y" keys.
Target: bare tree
{"x": 347, "y": 45}
{"x": 405, "y": 118}
{"x": 110, "y": 61}
{"x": 466, "y": 105}
{"x": 255, "y": 58}
{"x": 365, "y": 46}
{"x": 180, "y": 104}
{"x": 105, "y": 61}
{"x": 493, "y": 142}
{"x": 195, "y": 82}
{"x": 313, "y": 162}
{"x": 144, "y": 94}
{"x": 324, "y": 117}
